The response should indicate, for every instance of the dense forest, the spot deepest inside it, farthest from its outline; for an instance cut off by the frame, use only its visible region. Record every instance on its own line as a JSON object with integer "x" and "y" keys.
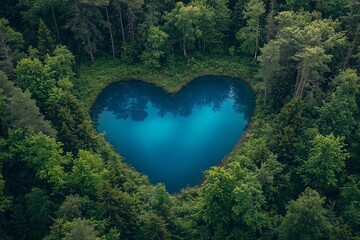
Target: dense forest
{"x": 296, "y": 174}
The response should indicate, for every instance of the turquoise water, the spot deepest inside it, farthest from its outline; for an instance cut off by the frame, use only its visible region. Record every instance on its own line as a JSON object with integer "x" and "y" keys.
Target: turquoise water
{"x": 174, "y": 139}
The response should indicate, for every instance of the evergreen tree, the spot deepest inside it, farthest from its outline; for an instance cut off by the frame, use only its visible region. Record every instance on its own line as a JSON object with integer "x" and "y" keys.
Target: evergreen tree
{"x": 46, "y": 42}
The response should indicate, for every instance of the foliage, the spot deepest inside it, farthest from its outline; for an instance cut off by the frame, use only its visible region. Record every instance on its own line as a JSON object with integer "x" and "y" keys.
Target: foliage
{"x": 59, "y": 179}
{"x": 305, "y": 218}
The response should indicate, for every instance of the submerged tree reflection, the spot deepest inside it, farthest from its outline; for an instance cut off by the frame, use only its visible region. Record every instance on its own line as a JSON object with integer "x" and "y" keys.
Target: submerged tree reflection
{"x": 130, "y": 99}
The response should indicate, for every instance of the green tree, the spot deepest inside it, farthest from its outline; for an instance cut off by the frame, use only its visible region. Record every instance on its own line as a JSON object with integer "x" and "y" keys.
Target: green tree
{"x": 43, "y": 154}
{"x": 60, "y": 65}
{"x": 338, "y": 114}
{"x": 185, "y": 20}
{"x": 312, "y": 64}
{"x": 32, "y": 75}
{"x": 269, "y": 65}
{"x": 154, "y": 47}
{"x": 38, "y": 211}
{"x": 325, "y": 163}
{"x": 81, "y": 230}
{"x": 71, "y": 208}
{"x": 20, "y": 110}
{"x": 250, "y": 35}
{"x": 85, "y": 22}
{"x": 233, "y": 197}
{"x": 288, "y": 127}
{"x": 87, "y": 173}
{"x": 46, "y": 42}
{"x": 11, "y": 43}
{"x": 118, "y": 208}
{"x": 349, "y": 203}
{"x": 155, "y": 228}
{"x": 305, "y": 218}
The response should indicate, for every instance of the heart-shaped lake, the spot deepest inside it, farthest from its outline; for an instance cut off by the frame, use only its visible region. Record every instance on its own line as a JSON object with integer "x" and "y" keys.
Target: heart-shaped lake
{"x": 173, "y": 139}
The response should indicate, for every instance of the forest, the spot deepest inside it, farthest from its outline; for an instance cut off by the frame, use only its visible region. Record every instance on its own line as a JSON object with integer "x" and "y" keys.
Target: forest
{"x": 295, "y": 175}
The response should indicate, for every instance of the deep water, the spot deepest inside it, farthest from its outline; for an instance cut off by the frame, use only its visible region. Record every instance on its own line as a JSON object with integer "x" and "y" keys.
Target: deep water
{"x": 174, "y": 139}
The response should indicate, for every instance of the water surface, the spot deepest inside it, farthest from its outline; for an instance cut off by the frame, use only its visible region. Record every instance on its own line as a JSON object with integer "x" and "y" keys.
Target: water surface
{"x": 173, "y": 139}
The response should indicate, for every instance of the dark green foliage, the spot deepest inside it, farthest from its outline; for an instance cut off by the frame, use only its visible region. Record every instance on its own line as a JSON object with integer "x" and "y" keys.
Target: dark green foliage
{"x": 288, "y": 127}
{"x": 38, "y": 211}
{"x": 46, "y": 42}
{"x": 305, "y": 218}
{"x": 118, "y": 208}
{"x": 19, "y": 110}
{"x": 11, "y": 43}
{"x": 325, "y": 162}
{"x": 155, "y": 228}
{"x": 305, "y": 131}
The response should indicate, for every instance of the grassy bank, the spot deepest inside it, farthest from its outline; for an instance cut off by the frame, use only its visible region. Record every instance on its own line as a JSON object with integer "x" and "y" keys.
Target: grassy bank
{"x": 93, "y": 78}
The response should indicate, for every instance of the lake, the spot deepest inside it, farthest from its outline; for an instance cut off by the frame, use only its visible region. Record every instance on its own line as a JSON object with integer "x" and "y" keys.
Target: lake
{"x": 173, "y": 139}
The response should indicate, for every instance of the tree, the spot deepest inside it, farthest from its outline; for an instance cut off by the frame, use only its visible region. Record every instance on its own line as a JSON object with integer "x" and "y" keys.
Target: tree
{"x": 118, "y": 208}
{"x": 185, "y": 19}
{"x": 288, "y": 127}
{"x": 312, "y": 63}
{"x": 305, "y": 218}
{"x": 36, "y": 7}
{"x": 269, "y": 65}
{"x": 155, "y": 228}
{"x": 214, "y": 23}
{"x": 84, "y": 22}
{"x": 87, "y": 173}
{"x": 38, "y": 210}
{"x": 250, "y": 35}
{"x": 81, "y": 230}
{"x": 233, "y": 197}
{"x": 352, "y": 25}
{"x": 46, "y": 42}
{"x": 21, "y": 111}
{"x": 349, "y": 203}
{"x": 71, "y": 208}
{"x": 338, "y": 114}
{"x": 32, "y": 75}
{"x": 60, "y": 64}
{"x": 43, "y": 154}
{"x": 10, "y": 44}
{"x": 154, "y": 47}
{"x": 325, "y": 162}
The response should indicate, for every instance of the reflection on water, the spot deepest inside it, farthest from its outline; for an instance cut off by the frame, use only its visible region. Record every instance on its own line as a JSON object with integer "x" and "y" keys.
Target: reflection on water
{"x": 134, "y": 113}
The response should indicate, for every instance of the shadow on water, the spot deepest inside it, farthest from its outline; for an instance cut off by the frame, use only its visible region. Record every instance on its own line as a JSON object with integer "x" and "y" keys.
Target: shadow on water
{"x": 129, "y": 99}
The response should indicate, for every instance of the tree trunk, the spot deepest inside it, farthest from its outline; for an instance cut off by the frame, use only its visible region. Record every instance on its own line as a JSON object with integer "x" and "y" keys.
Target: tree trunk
{"x": 257, "y": 39}
{"x": 118, "y": 6}
{"x": 131, "y": 25}
{"x": 270, "y": 21}
{"x": 55, "y": 22}
{"x": 351, "y": 48}
{"x": 90, "y": 48}
{"x": 265, "y": 92}
{"x": 184, "y": 45}
{"x": 110, "y": 31}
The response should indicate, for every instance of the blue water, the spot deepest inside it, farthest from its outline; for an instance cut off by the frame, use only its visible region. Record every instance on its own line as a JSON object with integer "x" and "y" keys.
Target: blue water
{"x": 174, "y": 139}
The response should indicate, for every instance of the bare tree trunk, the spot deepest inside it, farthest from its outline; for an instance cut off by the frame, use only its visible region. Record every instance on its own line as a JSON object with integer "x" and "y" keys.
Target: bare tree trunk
{"x": 90, "y": 48}
{"x": 110, "y": 31}
{"x": 257, "y": 39}
{"x": 118, "y": 6}
{"x": 184, "y": 45}
{"x": 351, "y": 48}
{"x": 55, "y": 22}
{"x": 131, "y": 25}
{"x": 265, "y": 92}
{"x": 270, "y": 21}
